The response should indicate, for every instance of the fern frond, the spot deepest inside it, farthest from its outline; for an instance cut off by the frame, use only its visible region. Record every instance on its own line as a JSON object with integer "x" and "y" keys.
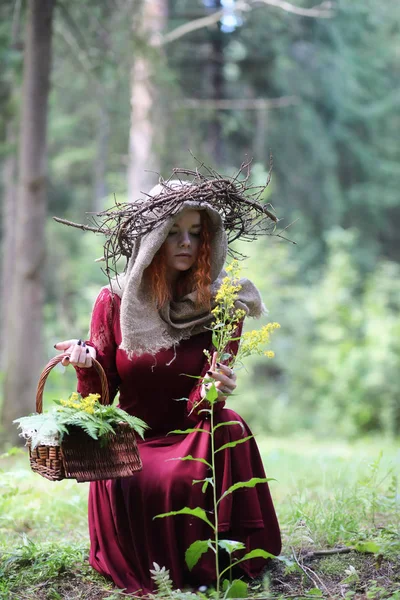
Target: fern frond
{"x": 162, "y": 579}
{"x": 138, "y": 425}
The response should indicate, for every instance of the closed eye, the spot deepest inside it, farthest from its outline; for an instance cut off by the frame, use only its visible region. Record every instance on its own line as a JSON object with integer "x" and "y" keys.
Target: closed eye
{"x": 195, "y": 233}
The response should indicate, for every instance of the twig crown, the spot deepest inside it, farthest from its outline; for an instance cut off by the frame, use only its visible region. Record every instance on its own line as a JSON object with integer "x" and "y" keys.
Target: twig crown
{"x": 237, "y": 201}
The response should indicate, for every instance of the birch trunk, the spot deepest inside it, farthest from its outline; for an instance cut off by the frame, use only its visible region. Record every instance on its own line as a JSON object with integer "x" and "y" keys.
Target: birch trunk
{"x": 24, "y": 350}
{"x": 143, "y": 165}
{"x": 215, "y": 70}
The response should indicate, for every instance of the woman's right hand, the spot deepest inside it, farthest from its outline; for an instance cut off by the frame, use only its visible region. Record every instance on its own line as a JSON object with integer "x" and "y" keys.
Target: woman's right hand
{"x": 80, "y": 355}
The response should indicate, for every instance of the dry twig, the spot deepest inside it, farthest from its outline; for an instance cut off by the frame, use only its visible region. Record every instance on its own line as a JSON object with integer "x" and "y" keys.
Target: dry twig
{"x": 310, "y": 574}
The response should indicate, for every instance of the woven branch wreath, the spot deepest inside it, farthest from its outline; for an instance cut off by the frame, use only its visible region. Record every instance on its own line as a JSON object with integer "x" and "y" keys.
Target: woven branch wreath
{"x": 234, "y": 198}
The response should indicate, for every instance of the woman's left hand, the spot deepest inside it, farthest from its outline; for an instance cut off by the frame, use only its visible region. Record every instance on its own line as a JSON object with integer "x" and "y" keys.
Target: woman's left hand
{"x": 225, "y": 378}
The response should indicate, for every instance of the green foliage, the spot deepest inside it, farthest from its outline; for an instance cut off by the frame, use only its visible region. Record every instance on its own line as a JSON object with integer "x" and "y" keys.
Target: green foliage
{"x": 336, "y": 165}
{"x": 244, "y": 484}
{"x": 190, "y": 457}
{"x": 234, "y": 443}
{"x": 161, "y": 578}
{"x": 28, "y": 565}
{"x": 324, "y": 488}
{"x": 337, "y": 354}
{"x": 195, "y": 552}
{"x": 236, "y": 589}
{"x": 197, "y": 512}
{"x": 88, "y": 414}
{"x": 367, "y": 547}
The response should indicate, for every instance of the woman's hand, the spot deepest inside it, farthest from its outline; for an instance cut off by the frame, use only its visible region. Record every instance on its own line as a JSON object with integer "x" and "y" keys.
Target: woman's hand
{"x": 80, "y": 355}
{"x": 225, "y": 379}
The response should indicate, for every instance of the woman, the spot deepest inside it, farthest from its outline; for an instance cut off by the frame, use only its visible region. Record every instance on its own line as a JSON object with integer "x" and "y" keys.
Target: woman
{"x": 149, "y": 330}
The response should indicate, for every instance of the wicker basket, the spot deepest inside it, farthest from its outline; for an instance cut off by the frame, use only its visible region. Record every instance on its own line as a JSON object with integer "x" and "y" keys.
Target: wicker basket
{"x": 81, "y": 457}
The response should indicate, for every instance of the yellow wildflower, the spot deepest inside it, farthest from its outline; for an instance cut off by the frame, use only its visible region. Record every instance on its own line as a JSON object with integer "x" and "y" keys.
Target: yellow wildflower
{"x": 240, "y": 314}
{"x": 227, "y": 293}
{"x": 254, "y": 341}
{"x": 85, "y": 404}
{"x": 93, "y": 397}
{"x": 227, "y": 318}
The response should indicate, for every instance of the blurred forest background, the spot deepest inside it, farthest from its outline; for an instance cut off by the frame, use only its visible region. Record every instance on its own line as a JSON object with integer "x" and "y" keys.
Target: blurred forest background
{"x": 120, "y": 86}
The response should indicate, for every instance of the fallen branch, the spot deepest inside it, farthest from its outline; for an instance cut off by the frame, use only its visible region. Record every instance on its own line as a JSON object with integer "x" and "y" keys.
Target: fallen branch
{"x": 332, "y": 551}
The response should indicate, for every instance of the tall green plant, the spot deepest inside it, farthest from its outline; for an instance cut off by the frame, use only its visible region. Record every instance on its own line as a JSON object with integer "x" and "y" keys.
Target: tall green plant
{"x": 224, "y": 331}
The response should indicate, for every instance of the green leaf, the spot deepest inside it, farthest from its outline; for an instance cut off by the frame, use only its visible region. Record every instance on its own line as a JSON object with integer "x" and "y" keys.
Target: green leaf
{"x": 289, "y": 564}
{"x": 236, "y": 589}
{"x": 225, "y": 356}
{"x": 195, "y": 551}
{"x": 229, "y": 423}
{"x": 244, "y": 484}
{"x": 367, "y": 547}
{"x": 235, "y": 443}
{"x": 315, "y": 592}
{"x": 257, "y": 553}
{"x": 231, "y": 545}
{"x": 217, "y": 326}
{"x": 212, "y": 393}
{"x": 138, "y": 425}
{"x": 190, "y": 430}
{"x": 190, "y": 457}
{"x": 194, "y": 512}
{"x": 205, "y": 482}
{"x": 214, "y": 340}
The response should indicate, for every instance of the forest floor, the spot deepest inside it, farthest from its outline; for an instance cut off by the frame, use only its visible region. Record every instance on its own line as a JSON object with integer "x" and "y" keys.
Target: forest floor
{"x": 330, "y": 497}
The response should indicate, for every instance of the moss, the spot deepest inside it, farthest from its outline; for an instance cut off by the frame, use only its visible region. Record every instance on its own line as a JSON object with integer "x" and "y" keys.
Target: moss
{"x": 337, "y": 564}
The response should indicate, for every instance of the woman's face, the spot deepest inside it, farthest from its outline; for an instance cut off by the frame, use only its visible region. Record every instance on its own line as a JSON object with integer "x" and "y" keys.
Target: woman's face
{"x": 182, "y": 245}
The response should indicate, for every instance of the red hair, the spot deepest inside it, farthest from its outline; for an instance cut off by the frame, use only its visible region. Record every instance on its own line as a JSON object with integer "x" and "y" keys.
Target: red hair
{"x": 198, "y": 277}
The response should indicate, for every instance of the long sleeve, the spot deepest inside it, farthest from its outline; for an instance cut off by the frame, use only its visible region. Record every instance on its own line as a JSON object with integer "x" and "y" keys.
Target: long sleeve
{"x": 195, "y": 402}
{"x": 102, "y": 338}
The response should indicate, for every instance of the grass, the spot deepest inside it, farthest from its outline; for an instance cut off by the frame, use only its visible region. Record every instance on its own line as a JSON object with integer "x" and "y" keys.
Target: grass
{"x": 328, "y": 495}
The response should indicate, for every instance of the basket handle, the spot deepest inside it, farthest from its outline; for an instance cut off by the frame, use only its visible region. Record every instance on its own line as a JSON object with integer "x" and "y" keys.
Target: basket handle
{"x": 52, "y": 363}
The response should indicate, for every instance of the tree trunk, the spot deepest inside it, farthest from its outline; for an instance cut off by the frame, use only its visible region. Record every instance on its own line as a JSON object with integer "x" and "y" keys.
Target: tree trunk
{"x": 260, "y": 152}
{"x": 143, "y": 167}
{"x": 215, "y": 70}
{"x": 100, "y": 164}
{"x": 24, "y": 354}
{"x": 8, "y": 236}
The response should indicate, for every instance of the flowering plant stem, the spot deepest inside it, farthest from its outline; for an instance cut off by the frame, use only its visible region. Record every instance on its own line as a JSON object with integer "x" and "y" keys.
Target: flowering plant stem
{"x": 215, "y": 499}
{"x": 224, "y": 331}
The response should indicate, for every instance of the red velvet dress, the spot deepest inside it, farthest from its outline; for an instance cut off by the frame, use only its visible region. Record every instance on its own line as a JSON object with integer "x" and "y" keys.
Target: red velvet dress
{"x": 125, "y": 539}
